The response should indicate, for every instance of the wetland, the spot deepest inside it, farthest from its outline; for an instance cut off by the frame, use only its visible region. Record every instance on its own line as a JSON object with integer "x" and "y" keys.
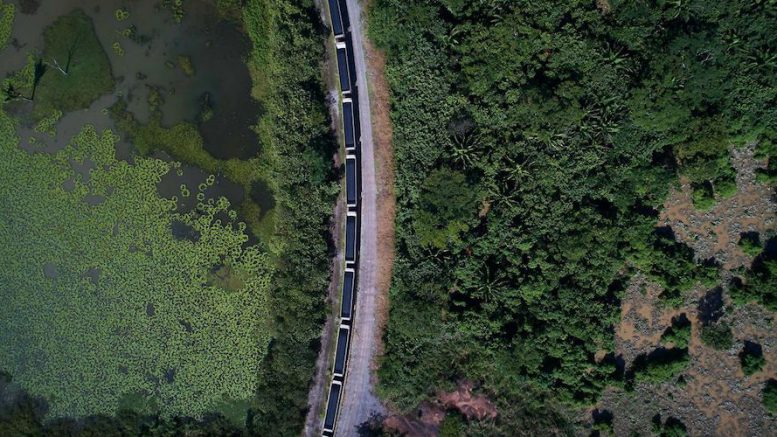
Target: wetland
{"x": 137, "y": 210}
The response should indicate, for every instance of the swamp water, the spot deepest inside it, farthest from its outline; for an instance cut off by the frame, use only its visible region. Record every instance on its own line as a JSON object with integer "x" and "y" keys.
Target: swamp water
{"x": 197, "y": 66}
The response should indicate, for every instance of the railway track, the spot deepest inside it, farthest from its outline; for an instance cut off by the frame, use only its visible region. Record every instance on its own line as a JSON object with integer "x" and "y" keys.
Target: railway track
{"x": 350, "y": 400}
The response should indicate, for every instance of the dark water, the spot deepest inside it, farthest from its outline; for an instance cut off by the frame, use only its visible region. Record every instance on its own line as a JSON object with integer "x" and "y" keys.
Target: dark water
{"x": 220, "y": 86}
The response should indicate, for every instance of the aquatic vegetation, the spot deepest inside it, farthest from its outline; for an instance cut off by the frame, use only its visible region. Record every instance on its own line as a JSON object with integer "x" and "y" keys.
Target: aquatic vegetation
{"x": 121, "y": 14}
{"x": 74, "y": 69}
{"x": 107, "y": 306}
{"x": 184, "y": 143}
{"x": 117, "y": 48}
{"x": 6, "y": 22}
{"x": 48, "y": 124}
{"x": 176, "y": 7}
{"x": 185, "y": 62}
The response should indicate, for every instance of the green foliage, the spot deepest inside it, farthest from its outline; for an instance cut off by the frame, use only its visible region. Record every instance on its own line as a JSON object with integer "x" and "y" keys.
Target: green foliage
{"x": 452, "y": 425}
{"x": 107, "y": 302}
{"x": 77, "y": 70}
{"x": 447, "y": 203}
{"x": 759, "y": 282}
{"x": 769, "y": 396}
{"x": 6, "y": 22}
{"x": 288, "y": 49}
{"x": 679, "y": 333}
{"x": 176, "y": 8}
{"x": 184, "y": 143}
{"x": 750, "y": 243}
{"x": 717, "y": 336}
{"x": 121, "y": 14}
{"x": 185, "y": 62}
{"x": 661, "y": 365}
{"x": 751, "y": 358}
{"x": 570, "y": 125}
{"x": 48, "y": 124}
{"x": 752, "y": 364}
{"x": 767, "y": 149}
{"x": 671, "y": 264}
{"x": 674, "y": 428}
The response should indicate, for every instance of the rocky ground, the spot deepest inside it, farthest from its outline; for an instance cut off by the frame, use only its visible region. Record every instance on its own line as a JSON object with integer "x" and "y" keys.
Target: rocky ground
{"x": 714, "y": 397}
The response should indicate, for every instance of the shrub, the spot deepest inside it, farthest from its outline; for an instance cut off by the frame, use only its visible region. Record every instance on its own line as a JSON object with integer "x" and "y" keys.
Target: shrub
{"x": 751, "y": 358}
{"x": 679, "y": 333}
{"x": 769, "y": 396}
{"x": 717, "y": 336}
{"x": 750, "y": 243}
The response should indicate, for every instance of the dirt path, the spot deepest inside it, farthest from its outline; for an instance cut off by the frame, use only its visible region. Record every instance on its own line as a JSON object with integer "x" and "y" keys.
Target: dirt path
{"x": 359, "y": 401}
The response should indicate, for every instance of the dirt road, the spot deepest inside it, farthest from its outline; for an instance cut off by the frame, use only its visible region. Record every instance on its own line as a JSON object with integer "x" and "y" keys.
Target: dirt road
{"x": 359, "y": 401}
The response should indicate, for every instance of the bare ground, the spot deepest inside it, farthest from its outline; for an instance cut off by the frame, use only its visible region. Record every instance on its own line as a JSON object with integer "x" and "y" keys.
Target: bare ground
{"x": 718, "y": 399}
{"x": 384, "y": 168}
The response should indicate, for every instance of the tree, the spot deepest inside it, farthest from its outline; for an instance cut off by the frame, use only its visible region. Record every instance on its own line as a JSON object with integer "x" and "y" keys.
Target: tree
{"x": 446, "y": 205}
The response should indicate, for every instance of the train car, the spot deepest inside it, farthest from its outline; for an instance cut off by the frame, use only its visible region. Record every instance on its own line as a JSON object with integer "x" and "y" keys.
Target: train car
{"x": 344, "y": 15}
{"x": 351, "y": 235}
{"x": 341, "y": 353}
{"x": 343, "y": 69}
{"x": 346, "y": 301}
{"x": 351, "y": 181}
{"x": 349, "y": 131}
{"x": 332, "y": 408}
{"x": 337, "y": 19}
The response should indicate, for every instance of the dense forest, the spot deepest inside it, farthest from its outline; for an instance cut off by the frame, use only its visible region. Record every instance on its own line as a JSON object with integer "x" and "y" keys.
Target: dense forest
{"x": 535, "y": 144}
{"x": 238, "y": 304}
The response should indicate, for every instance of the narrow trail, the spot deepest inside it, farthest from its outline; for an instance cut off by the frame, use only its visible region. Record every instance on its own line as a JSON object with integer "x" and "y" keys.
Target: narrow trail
{"x": 359, "y": 401}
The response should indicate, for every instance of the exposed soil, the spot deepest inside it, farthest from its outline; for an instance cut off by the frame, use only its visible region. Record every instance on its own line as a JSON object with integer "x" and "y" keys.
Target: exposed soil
{"x": 713, "y": 397}
{"x": 471, "y": 406}
{"x": 431, "y": 414}
{"x": 716, "y": 233}
{"x": 384, "y": 164}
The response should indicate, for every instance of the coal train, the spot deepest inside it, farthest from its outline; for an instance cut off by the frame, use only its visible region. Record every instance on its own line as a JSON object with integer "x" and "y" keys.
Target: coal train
{"x": 349, "y": 98}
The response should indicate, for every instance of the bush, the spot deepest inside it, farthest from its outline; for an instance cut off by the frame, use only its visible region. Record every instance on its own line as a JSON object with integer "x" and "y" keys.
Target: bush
{"x": 661, "y": 365}
{"x": 750, "y": 243}
{"x": 751, "y": 358}
{"x": 759, "y": 282}
{"x": 679, "y": 333}
{"x": 769, "y": 396}
{"x": 717, "y": 336}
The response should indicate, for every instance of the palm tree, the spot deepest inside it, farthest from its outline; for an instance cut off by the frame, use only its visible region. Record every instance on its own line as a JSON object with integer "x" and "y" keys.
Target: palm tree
{"x": 464, "y": 147}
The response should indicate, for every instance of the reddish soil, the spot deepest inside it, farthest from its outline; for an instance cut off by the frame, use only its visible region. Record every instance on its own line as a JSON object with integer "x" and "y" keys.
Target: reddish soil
{"x": 471, "y": 406}
{"x": 384, "y": 162}
{"x": 431, "y": 414}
